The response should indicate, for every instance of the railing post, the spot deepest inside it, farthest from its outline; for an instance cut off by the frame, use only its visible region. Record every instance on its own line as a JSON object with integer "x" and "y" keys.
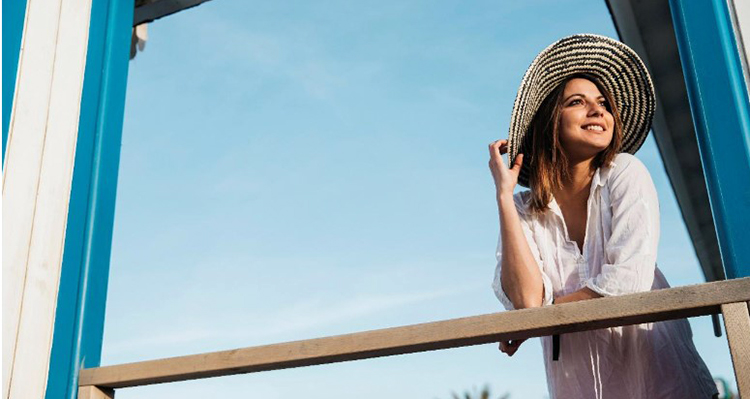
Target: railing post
{"x": 94, "y": 392}
{"x": 737, "y": 324}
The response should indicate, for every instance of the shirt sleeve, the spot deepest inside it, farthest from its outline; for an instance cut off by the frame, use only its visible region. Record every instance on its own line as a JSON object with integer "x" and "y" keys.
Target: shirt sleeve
{"x": 526, "y": 227}
{"x": 630, "y": 252}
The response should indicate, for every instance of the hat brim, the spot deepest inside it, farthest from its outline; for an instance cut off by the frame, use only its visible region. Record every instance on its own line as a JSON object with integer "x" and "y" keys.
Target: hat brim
{"x": 619, "y": 70}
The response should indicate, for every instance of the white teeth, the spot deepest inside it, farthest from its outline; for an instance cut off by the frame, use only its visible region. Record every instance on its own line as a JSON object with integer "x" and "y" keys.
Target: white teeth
{"x": 594, "y": 127}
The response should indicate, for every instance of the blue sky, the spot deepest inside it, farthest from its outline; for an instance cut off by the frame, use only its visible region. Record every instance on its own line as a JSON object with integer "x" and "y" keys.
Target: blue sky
{"x": 295, "y": 169}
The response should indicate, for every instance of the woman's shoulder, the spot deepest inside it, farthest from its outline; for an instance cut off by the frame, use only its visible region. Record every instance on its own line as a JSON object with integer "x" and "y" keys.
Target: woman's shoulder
{"x": 626, "y": 167}
{"x": 627, "y": 173}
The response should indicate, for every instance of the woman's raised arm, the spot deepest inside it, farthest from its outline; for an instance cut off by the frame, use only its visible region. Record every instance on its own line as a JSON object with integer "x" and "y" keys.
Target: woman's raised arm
{"x": 521, "y": 279}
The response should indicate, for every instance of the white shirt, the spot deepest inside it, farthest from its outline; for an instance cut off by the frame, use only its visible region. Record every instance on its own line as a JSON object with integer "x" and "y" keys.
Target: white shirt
{"x": 653, "y": 360}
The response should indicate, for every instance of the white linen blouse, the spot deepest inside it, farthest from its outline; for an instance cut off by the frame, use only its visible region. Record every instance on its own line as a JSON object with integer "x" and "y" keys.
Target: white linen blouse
{"x": 652, "y": 360}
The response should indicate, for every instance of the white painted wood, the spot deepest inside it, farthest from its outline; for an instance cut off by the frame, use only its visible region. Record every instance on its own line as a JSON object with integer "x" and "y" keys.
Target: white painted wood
{"x": 36, "y": 186}
{"x": 740, "y": 13}
{"x": 23, "y": 162}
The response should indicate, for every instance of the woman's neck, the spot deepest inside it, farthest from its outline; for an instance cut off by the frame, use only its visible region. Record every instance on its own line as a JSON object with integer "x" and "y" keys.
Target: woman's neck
{"x": 580, "y": 175}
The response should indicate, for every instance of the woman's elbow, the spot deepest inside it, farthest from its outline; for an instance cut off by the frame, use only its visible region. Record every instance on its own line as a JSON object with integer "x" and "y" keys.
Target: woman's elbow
{"x": 528, "y": 301}
{"x": 528, "y": 298}
{"x": 524, "y": 295}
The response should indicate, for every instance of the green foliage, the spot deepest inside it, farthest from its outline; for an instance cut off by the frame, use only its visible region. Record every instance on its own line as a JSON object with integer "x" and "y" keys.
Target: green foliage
{"x": 483, "y": 394}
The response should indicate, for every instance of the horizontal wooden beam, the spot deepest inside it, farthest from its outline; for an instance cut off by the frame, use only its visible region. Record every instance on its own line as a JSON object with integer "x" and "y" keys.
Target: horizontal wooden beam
{"x": 666, "y": 304}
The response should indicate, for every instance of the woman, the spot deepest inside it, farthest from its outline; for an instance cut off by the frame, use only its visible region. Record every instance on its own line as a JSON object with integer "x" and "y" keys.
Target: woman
{"x": 589, "y": 226}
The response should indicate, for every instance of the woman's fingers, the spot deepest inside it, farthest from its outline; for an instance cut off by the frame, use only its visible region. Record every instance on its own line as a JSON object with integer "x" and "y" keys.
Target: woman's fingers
{"x": 502, "y": 145}
{"x": 505, "y": 177}
{"x": 510, "y": 347}
{"x": 497, "y": 149}
{"x": 517, "y": 164}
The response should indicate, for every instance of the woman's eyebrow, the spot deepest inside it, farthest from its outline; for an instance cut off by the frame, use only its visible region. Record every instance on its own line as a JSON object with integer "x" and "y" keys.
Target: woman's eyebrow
{"x": 582, "y": 95}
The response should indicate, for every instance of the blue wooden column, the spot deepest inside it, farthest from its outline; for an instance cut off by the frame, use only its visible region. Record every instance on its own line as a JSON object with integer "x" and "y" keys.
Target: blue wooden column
{"x": 79, "y": 317}
{"x": 718, "y": 95}
{"x": 13, "y": 18}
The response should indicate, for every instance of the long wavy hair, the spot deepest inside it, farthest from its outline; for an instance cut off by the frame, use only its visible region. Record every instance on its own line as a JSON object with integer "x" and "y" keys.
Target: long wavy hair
{"x": 549, "y": 168}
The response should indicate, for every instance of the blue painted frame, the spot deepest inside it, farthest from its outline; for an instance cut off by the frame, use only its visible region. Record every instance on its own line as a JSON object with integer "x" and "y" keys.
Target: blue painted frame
{"x": 81, "y": 300}
{"x": 14, "y": 17}
{"x": 719, "y": 102}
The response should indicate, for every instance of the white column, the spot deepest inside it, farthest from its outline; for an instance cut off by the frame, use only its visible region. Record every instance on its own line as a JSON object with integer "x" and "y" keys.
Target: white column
{"x": 741, "y": 21}
{"x": 39, "y": 160}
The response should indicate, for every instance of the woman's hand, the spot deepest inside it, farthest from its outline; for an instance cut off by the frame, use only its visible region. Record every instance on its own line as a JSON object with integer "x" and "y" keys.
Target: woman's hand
{"x": 505, "y": 178}
{"x": 510, "y": 347}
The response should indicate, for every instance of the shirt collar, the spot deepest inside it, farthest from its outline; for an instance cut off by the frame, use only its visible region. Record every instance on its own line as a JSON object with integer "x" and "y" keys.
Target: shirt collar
{"x": 555, "y": 208}
{"x": 601, "y": 175}
{"x": 599, "y": 180}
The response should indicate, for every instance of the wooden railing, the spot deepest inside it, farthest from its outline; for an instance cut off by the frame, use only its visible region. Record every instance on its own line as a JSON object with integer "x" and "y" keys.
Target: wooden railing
{"x": 728, "y": 297}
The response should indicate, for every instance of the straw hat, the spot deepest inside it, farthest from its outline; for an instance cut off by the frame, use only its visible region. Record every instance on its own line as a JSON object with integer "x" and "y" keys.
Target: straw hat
{"x": 619, "y": 70}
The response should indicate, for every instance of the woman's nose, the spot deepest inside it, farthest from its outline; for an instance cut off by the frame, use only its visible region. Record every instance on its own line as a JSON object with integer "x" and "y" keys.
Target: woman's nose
{"x": 596, "y": 110}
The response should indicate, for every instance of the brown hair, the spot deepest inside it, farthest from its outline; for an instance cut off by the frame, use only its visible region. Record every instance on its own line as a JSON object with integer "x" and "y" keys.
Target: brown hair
{"x": 548, "y": 168}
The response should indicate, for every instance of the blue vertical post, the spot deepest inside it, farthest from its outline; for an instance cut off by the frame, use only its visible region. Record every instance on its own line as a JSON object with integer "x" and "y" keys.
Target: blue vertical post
{"x": 14, "y": 13}
{"x": 718, "y": 95}
{"x": 79, "y": 317}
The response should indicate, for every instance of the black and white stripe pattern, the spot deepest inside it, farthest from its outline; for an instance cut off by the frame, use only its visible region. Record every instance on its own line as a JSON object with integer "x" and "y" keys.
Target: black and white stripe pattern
{"x": 617, "y": 66}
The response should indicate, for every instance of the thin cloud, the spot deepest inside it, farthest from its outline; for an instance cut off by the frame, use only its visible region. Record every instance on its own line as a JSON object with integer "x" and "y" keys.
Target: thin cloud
{"x": 304, "y": 315}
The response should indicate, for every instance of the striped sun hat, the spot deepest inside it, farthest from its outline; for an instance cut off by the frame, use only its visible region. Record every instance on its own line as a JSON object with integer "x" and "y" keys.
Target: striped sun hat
{"x": 619, "y": 70}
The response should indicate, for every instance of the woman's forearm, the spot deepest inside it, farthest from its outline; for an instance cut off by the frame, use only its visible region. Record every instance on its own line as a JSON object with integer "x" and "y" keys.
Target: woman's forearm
{"x": 520, "y": 276}
{"x": 580, "y": 295}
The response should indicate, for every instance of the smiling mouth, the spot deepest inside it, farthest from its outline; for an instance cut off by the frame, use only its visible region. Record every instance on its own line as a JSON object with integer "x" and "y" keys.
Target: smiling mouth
{"x": 595, "y": 128}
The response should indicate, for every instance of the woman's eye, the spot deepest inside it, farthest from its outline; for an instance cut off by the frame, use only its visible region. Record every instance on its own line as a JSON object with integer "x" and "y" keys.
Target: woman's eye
{"x": 575, "y": 102}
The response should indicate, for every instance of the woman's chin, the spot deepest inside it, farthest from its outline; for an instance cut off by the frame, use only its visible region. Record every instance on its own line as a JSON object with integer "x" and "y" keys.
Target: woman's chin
{"x": 585, "y": 151}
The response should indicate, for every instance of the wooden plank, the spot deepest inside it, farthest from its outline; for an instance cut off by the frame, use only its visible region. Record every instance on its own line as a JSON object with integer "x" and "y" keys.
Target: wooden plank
{"x": 94, "y": 392}
{"x": 41, "y": 152}
{"x": 644, "y": 307}
{"x": 737, "y": 322}
{"x": 23, "y": 163}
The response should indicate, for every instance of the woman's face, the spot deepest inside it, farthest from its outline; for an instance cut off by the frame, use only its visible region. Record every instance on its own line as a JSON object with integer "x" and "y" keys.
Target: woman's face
{"x": 586, "y": 127}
